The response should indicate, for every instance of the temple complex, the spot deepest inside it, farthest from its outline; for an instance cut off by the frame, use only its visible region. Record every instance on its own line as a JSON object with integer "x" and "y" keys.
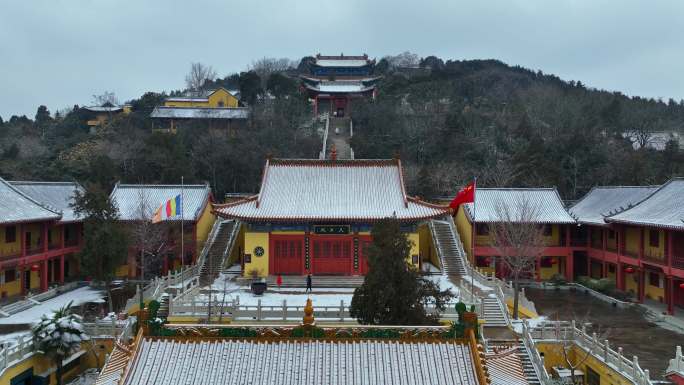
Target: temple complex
{"x": 334, "y": 81}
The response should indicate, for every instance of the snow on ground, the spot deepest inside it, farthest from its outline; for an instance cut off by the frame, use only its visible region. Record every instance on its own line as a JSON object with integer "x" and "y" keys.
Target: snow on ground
{"x": 32, "y": 315}
{"x": 532, "y": 322}
{"x": 429, "y": 268}
{"x": 444, "y": 283}
{"x": 477, "y": 284}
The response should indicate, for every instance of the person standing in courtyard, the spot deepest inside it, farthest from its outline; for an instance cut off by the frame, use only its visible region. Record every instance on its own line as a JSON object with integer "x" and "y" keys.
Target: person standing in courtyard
{"x": 279, "y": 280}
{"x": 308, "y": 283}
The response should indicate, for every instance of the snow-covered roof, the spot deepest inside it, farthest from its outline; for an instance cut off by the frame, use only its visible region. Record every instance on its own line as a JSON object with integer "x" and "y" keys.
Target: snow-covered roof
{"x": 58, "y": 196}
{"x": 163, "y": 112}
{"x": 663, "y": 208}
{"x": 128, "y": 198}
{"x": 544, "y": 203}
{"x": 505, "y": 367}
{"x": 341, "y": 62}
{"x": 199, "y": 96}
{"x": 337, "y": 190}
{"x": 222, "y": 361}
{"x": 104, "y": 108}
{"x": 18, "y": 207}
{"x": 601, "y": 202}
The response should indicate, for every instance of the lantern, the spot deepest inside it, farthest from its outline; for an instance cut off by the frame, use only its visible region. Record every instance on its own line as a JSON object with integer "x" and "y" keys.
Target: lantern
{"x": 554, "y": 261}
{"x": 629, "y": 270}
{"x": 35, "y": 267}
{"x": 681, "y": 285}
{"x": 488, "y": 261}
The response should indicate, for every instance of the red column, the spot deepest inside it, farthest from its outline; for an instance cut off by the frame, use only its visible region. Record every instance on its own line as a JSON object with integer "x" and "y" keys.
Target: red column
{"x": 61, "y": 268}
{"x": 669, "y": 294}
{"x": 43, "y": 275}
{"x": 620, "y": 276}
{"x": 641, "y": 243}
{"x": 22, "y": 241}
{"x": 668, "y": 256}
{"x": 569, "y": 267}
{"x": 640, "y": 292}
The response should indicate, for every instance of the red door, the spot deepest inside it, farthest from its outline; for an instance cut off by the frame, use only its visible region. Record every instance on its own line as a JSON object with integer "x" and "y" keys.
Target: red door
{"x": 332, "y": 256}
{"x": 287, "y": 256}
{"x": 364, "y": 243}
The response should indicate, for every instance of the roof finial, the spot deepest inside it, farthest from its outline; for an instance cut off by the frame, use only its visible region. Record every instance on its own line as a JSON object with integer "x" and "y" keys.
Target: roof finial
{"x": 333, "y": 152}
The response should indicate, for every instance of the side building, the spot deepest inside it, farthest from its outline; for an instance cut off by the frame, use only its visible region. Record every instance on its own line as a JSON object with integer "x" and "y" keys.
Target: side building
{"x": 40, "y": 236}
{"x": 474, "y": 227}
{"x": 334, "y": 81}
{"x": 137, "y": 205}
{"x": 641, "y": 243}
{"x": 217, "y": 109}
{"x": 315, "y": 216}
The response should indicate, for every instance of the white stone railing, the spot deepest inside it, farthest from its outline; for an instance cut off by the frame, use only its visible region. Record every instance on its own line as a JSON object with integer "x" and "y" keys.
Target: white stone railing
{"x": 601, "y": 350}
{"x": 187, "y": 279}
{"x": 536, "y": 359}
{"x": 322, "y": 154}
{"x": 233, "y": 309}
{"x": 676, "y": 364}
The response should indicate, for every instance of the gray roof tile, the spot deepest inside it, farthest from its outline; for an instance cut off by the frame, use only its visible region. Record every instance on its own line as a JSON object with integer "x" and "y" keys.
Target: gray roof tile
{"x": 605, "y": 201}
{"x": 545, "y": 201}
{"x": 17, "y": 207}
{"x": 128, "y": 198}
{"x": 663, "y": 208}
{"x": 57, "y": 196}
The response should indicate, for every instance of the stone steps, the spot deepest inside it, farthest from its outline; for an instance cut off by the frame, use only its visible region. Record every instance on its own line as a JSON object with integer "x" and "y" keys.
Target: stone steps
{"x": 214, "y": 260}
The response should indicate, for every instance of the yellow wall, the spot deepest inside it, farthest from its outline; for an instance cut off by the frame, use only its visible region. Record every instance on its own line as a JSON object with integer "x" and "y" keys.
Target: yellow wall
{"x": 654, "y": 252}
{"x": 464, "y": 228}
{"x": 553, "y": 356}
{"x": 252, "y": 240}
{"x": 427, "y": 248}
{"x": 548, "y": 272}
{"x": 653, "y": 292}
{"x": 204, "y": 225}
{"x": 632, "y": 240}
{"x": 414, "y": 238}
{"x": 631, "y": 283}
{"x": 13, "y": 247}
{"x": 220, "y": 95}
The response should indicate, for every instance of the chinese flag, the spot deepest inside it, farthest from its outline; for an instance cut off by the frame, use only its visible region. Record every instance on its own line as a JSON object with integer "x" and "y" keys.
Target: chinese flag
{"x": 465, "y": 195}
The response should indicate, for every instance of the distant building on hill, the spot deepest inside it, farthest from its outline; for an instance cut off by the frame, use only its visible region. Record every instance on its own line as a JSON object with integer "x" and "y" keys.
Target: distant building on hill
{"x": 99, "y": 115}
{"x": 219, "y": 109}
{"x": 334, "y": 81}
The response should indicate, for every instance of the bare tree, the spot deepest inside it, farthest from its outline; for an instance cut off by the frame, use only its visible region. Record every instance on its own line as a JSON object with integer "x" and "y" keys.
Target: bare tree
{"x": 106, "y": 99}
{"x": 405, "y": 59}
{"x": 199, "y": 74}
{"x": 266, "y": 66}
{"x": 148, "y": 238}
{"x": 518, "y": 239}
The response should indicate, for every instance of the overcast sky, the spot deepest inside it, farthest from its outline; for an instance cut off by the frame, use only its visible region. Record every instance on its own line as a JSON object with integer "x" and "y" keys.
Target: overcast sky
{"x": 61, "y": 52}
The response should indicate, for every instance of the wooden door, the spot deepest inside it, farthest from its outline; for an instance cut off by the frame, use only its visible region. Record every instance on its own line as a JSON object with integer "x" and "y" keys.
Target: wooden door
{"x": 287, "y": 255}
{"x": 332, "y": 256}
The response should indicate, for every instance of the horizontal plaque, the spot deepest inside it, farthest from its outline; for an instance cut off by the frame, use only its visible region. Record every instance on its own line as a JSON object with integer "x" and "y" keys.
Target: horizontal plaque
{"x": 332, "y": 229}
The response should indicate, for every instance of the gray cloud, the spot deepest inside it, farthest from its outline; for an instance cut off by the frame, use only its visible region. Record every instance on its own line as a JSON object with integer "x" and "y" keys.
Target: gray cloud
{"x": 61, "y": 52}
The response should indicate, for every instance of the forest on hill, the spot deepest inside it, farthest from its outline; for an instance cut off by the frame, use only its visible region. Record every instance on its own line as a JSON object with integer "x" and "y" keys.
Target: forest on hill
{"x": 448, "y": 121}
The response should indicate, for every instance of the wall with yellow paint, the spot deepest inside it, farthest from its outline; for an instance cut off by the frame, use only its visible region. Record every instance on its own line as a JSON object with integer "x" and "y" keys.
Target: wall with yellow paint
{"x": 203, "y": 227}
{"x": 464, "y": 228}
{"x": 548, "y": 272}
{"x": 13, "y": 287}
{"x": 553, "y": 356}
{"x": 414, "y": 238}
{"x": 220, "y": 98}
{"x": 632, "y": 240}
{"x": 654, "y": 292}
{"x": 631, "y": 283}
{"x": 654, "y": 252}
{"x": 41, "y": 365}
{"x": 258, "y": 264}
{"x": 427, "y": 247}
{"x": 10, "y": 248}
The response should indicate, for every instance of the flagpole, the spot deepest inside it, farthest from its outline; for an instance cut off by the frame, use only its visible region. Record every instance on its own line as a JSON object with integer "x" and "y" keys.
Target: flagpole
{"x": 182, "y": 213}
{"x": 472, "y": 264}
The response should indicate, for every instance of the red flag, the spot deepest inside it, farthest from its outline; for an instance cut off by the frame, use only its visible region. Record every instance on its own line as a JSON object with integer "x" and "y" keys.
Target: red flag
{"x": 465, "y": 195}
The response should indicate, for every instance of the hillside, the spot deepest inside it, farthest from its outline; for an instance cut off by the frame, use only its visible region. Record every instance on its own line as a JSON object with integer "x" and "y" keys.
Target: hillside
{"x": 507, "y": 125}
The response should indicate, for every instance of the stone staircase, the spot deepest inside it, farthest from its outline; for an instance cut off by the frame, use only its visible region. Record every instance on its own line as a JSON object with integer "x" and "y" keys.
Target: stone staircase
{"x": 529, "y": 371}
{"x": 217, "y": 249}
{"x": 454, "y": 265}
{"x": 339, "y": 136}
{"x": 493, "y": 313}
{"x": 448, "y": 242}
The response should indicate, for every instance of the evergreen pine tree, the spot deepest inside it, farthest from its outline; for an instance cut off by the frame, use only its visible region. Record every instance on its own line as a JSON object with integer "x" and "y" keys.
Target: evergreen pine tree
{"x": 105, "y": 247}
{"x": 393, "y": 292}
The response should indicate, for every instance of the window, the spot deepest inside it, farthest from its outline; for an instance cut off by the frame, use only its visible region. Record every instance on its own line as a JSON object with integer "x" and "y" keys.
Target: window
{"x": 654, "y": 238}
{"x": 482, "y": 229}
{"x": 548, "y": 230}
{"x": 611, "y": 268}
{"x": 482, "y": 261}
{"x": 654, "y": 279}
{"x": 10, "y": 275}
{"x": 10, "y": 234}
{"x": 221, "y": 103}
